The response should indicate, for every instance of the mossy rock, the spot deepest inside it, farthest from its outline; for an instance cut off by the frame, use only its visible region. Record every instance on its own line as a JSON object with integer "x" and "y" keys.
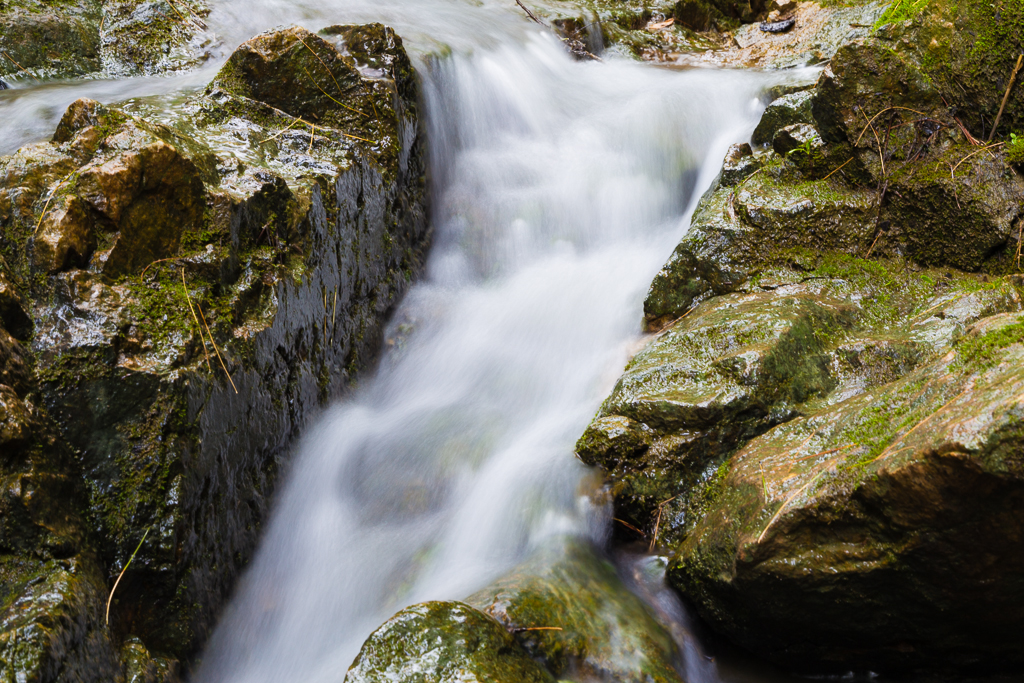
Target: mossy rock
{"x": 570, "y": 611}
{"x": 189, "y": 312}
{"x": 784, "y": 111}
{"x": 872, "y": 533}
{"x": 113, "y": 37}
{"x": 444, "y": 642}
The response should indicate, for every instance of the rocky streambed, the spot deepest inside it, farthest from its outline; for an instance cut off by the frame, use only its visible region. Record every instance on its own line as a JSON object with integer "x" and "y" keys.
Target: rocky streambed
{"x": 820, "y": 438}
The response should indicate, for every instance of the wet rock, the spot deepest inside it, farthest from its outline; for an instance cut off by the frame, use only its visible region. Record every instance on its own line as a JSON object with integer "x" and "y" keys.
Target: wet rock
{"x": 66, "y": 237}
{"x": 605, "y": 632}
{"x": 785, "y": 111}
{"x": 235, "y": 276}
{"x": 881, "y": 516}
{"x": 14, "y": 315}
{"x": 694, "y": 14}
{"x": 938, "y": 216}
{"x": 739, "y": 163}
{"x": 141, "y": 667}
{"x": 14, "y": 368}
{"x": 150, "y": 37}
{"x": 50, "y": 614}
{"x": 444, "y": 642}
{"x": 735, "y": 230}
{"x": 62, "y": 40}
{"x": 15, "y": 420}
{"x": 611, "y": 440}
{"x": 820, "y": 30}
{"x": 50, "y": 39}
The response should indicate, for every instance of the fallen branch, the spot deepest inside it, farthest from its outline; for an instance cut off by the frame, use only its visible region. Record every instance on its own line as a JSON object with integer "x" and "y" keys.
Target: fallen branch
{"x": 1006, "y": 97}
{"x": 838, "y": 169}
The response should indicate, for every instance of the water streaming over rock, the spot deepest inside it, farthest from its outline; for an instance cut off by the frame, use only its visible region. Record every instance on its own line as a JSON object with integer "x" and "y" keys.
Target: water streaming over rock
{"x": 560, "y": 188}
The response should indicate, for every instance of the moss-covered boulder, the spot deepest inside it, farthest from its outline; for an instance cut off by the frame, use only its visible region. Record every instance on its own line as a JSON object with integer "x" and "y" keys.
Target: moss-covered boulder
{"x": 568, "y": 608}
{"x": 444, "y": 642}
{"x": 42, "y": 39}
{"x": 188, "y": 294}
{"x": 881, "y": 530}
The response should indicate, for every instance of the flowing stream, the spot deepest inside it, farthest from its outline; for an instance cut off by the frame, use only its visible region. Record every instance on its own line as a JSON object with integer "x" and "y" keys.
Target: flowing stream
{"x": 560, "y": 188}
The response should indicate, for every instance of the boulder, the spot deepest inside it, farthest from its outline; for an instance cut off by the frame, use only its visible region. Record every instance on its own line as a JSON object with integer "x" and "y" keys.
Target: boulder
{"x": 444, "y": 642}
{"x": 882, "y": 531}
{"x": 66, "y": 237}
{"x": 570, "y": 611}
{"x": 191, "y": 305}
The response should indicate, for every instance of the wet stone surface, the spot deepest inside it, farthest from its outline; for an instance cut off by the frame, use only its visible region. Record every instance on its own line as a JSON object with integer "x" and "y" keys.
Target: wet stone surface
{"x": 179, "y": 297}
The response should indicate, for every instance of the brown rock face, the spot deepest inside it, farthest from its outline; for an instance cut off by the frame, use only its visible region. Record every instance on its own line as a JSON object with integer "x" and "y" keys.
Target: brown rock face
{"x": 66, "y": 236}
{"x": 153, "y": 196}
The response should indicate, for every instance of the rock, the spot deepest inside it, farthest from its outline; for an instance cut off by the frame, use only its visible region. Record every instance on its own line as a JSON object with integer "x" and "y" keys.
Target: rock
{"x": 49, "y": 40}
{"x": 141, "y": 667}
{"x": 43, "y": 624}
{"x": 739, "y": 163}
{"x": 735, "y": 230}
{"x": 14, "y": 368}
{"x": 694, "y": 14}
{"x": 443, "y": 642}
{"x": 946, "y": 204}
{"x": 154, "y": 196}
{"x": 611, "y": 440}
{"x": 280, "y": 255}
{"x": 784, "y": 111}
{"x": 66, "y": 237}
{"x": 606, "y": 633}
{"x": 797, "y": 137}
{"x": 819, "y": 31}
{"x": 128, "y": 37}
{"x": 853, "y": 535}
{"x": 14, "y": 315}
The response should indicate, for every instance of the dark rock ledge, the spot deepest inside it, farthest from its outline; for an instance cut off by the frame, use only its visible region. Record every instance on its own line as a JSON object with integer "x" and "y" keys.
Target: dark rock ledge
{"x": 178, "y": 298}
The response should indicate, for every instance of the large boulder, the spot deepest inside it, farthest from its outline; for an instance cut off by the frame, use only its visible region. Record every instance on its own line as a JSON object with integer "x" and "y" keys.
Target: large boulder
{"x": 188, "y": 294}
{"x": 444, "y": 642}
{"x": 568, "y": 608}
{"x": 883, "y": 530}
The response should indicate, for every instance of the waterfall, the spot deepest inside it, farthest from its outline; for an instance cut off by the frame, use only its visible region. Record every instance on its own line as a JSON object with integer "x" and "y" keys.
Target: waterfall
{"x": 560, "y": 188}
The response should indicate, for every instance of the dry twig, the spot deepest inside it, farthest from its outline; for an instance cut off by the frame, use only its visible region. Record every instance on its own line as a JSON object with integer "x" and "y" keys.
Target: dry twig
{"x": 1006, "y": 97}
{"x": 110, "y": 598}
{"x": 188, "y": 298}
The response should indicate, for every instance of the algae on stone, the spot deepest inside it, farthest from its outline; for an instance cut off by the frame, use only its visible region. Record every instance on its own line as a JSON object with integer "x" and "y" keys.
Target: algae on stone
{"x": 444, "y": 642}
{"x": 570, "y": 611}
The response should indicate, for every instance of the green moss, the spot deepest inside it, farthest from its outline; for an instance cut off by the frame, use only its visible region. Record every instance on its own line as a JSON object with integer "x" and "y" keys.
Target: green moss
{"x": 1015, "y": 150}
{"x": 899, "y": 11}
{"x": 980, "y": 351}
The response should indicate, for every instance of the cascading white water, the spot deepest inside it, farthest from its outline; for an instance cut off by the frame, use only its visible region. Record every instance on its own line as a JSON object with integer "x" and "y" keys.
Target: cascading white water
{"x": 560, "y": 189}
